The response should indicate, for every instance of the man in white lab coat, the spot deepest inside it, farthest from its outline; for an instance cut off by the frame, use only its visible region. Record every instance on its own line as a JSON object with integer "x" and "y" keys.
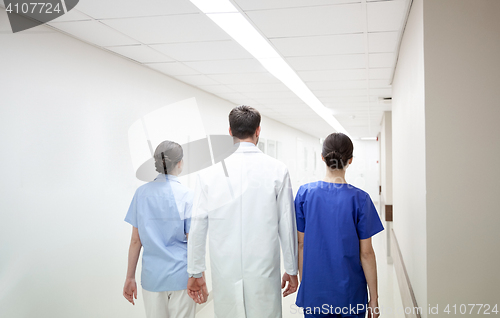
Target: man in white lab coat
{"x": 246, "y": 205}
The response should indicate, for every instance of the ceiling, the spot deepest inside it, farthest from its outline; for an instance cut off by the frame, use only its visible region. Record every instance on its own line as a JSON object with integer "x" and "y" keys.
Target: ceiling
{"x": 344, "y": 50}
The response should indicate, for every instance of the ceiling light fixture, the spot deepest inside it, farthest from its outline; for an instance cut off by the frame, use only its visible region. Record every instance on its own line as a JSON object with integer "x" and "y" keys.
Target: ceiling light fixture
{"x": 227, "y": 17}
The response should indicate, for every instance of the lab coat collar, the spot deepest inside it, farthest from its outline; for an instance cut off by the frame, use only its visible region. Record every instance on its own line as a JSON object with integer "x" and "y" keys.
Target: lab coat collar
{"x": 246, "y": 147}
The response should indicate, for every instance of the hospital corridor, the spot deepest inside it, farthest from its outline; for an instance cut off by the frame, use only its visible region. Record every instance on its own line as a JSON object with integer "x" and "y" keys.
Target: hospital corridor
{"x": 201, "y": 158}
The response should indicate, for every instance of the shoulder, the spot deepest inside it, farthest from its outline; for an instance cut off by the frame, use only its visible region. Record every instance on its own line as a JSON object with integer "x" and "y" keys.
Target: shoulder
{"x": 274, "y": 163}
{"x": 308, "y": 188}
{"x": 361, "y": 195}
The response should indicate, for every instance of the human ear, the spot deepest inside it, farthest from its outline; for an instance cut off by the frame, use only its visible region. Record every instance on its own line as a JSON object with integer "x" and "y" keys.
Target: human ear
{"x": 257, "y": 132}
{"x": 230, "y": 132}
{"x": 350, "y": 160}
{"x": 323, "y": 158}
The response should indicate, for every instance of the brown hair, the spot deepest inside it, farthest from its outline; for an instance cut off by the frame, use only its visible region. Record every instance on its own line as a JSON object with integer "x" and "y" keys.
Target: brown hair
{"x": 244, "y": 121}
{"x": 167, "y": 155}
{"x": 337, "y": 150}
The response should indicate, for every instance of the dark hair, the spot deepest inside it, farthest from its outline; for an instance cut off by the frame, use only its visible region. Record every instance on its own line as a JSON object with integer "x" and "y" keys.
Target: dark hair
{"x": 337, "y": 150}
{"x": 167, "y": 155}
{"x": 244, "y": 121}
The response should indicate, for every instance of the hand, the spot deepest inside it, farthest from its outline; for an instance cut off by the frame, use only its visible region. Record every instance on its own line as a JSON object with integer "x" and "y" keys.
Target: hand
{"x": 130, "y": 290}
{"x": 373, "y": 310}
{"x": 293, "y": 283}
{"x": 197, "y": 289}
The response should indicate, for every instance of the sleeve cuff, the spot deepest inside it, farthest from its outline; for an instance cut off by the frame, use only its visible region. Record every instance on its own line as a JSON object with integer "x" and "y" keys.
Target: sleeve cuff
{"x": 198, "y": 275}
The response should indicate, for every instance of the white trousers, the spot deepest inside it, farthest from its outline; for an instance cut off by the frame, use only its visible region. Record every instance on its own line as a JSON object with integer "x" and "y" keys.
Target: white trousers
{"x": 168, "y": 304}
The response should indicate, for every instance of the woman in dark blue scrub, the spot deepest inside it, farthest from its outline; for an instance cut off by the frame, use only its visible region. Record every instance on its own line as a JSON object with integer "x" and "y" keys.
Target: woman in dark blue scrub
{"x": 336, "y": 221}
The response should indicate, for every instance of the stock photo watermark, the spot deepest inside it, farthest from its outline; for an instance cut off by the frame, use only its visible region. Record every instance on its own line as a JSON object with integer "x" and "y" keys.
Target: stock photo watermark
{"x": 24, "y": 15}
{"x": 450, "y": 309}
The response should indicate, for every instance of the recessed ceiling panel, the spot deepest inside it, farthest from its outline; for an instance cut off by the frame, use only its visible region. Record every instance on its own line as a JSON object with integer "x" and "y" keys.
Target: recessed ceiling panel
{"x": 251, "y": 88}
{"x": 172, "y": 68}
{"x": 381, "y": 59}
{"x": 94, "y": 32}
{"x": 72, "y": 15}
{"x": 103, "y": 9}
{"x": 332, "y": 75}
{"x": 327, "y": 85}
{"x": 227, "y": 66}
{"x": 380, "y": 73}
{"x": 334, "y": 62}
{"x": 169, "y": 29}
{"x": 140, "y": 53}
{"x": 385, "y": 15}
{"x": 321, "y": 45}
{"x": 204, "y": 51}
{"x": 280, "y": 4}
{"x": 197, "y": 80}
{"x": 309, "y": 21}
{"x": 245, "y": 78}
{"x": 382, "y": 42}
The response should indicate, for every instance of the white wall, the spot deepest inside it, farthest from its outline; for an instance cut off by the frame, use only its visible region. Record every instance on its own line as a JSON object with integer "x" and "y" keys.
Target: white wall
{"x": 462, "y": 75}
{"x": 409, "y": 161}
{"x": 386, "y": 158}
{"x": 67, "y": 177}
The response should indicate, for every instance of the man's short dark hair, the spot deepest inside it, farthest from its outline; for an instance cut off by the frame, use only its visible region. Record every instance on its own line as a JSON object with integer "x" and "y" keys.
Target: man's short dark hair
{"x": 244, "y": 121}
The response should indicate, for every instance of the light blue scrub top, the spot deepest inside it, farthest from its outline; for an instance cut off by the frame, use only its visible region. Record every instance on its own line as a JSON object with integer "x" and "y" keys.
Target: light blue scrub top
{"x": 161, "y": 210}
{"x": 333, "y": 218}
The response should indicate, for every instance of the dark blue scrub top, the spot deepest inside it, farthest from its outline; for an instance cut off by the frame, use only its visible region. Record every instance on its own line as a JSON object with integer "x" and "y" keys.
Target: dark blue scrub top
{"x": 333, "y": 218}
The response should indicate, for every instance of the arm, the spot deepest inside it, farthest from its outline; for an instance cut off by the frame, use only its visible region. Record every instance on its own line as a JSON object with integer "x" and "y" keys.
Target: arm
{"x": 197, "y": 242}
{"x": 287, "y": 231}
{"x": 130, "y": 288}
{"x": 300, "y": 235}
{"x": 369, "y": 265}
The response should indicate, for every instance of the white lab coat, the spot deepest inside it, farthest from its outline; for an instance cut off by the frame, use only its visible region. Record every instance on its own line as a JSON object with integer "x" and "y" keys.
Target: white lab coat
{"x": 247, "y": 214}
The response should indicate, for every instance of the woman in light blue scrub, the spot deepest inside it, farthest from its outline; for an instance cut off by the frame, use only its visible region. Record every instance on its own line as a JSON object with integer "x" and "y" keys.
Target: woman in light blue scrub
{"x": 160, "y": 214}
{"x": 335, "y": 223}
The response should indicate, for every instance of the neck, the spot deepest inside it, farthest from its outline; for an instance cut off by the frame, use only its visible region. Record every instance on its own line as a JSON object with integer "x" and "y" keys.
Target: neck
{"x": 335, "y": 175}
{"x": 250, "y": 140}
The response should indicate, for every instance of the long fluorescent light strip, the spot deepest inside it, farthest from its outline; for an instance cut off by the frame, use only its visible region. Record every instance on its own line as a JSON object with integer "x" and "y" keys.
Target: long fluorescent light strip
{"x": 227, "y": 16}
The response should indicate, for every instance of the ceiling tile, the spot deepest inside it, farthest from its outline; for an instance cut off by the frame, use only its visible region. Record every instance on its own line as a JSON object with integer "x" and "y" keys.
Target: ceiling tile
{"x": 94, "y": 32}
{"x": 380, "y": 73}
{"x": 341, "y": 99}
{"x": 245, "y": 78}
{"x": 216, "y": 89}
{"x": 197, "y": 80}
{"x": 321, "y": 45}
{"x": 100, "y": 9}
{"x": 385, "y": 15}
{"x": 204, "y": 51}
{"x": 335, "y": 62}
{"x": 233, "y": 96}
{"x": 382, "y": 42}
{"x": 382, "y": 59}
{"x": 169, "y": 29}
{"x": 385, "y": 83}
{"x": 72, "y": 15}
{"x": 381, "y": 92}
{"x": 332, "y": 75}
{"x": 172, "y": 68}
{"x": 276, "y": 100}
{"x": 260, "y": 96}
{"x": 279, "y": 4}
{"x": 227, "y": 66}
{"x": 140, "y": 53}
{"x": 340, "y": 92}
{"x": 309, "y": 21}
{"x": 250, "y": 88}
{"x": 326, "y": 85}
